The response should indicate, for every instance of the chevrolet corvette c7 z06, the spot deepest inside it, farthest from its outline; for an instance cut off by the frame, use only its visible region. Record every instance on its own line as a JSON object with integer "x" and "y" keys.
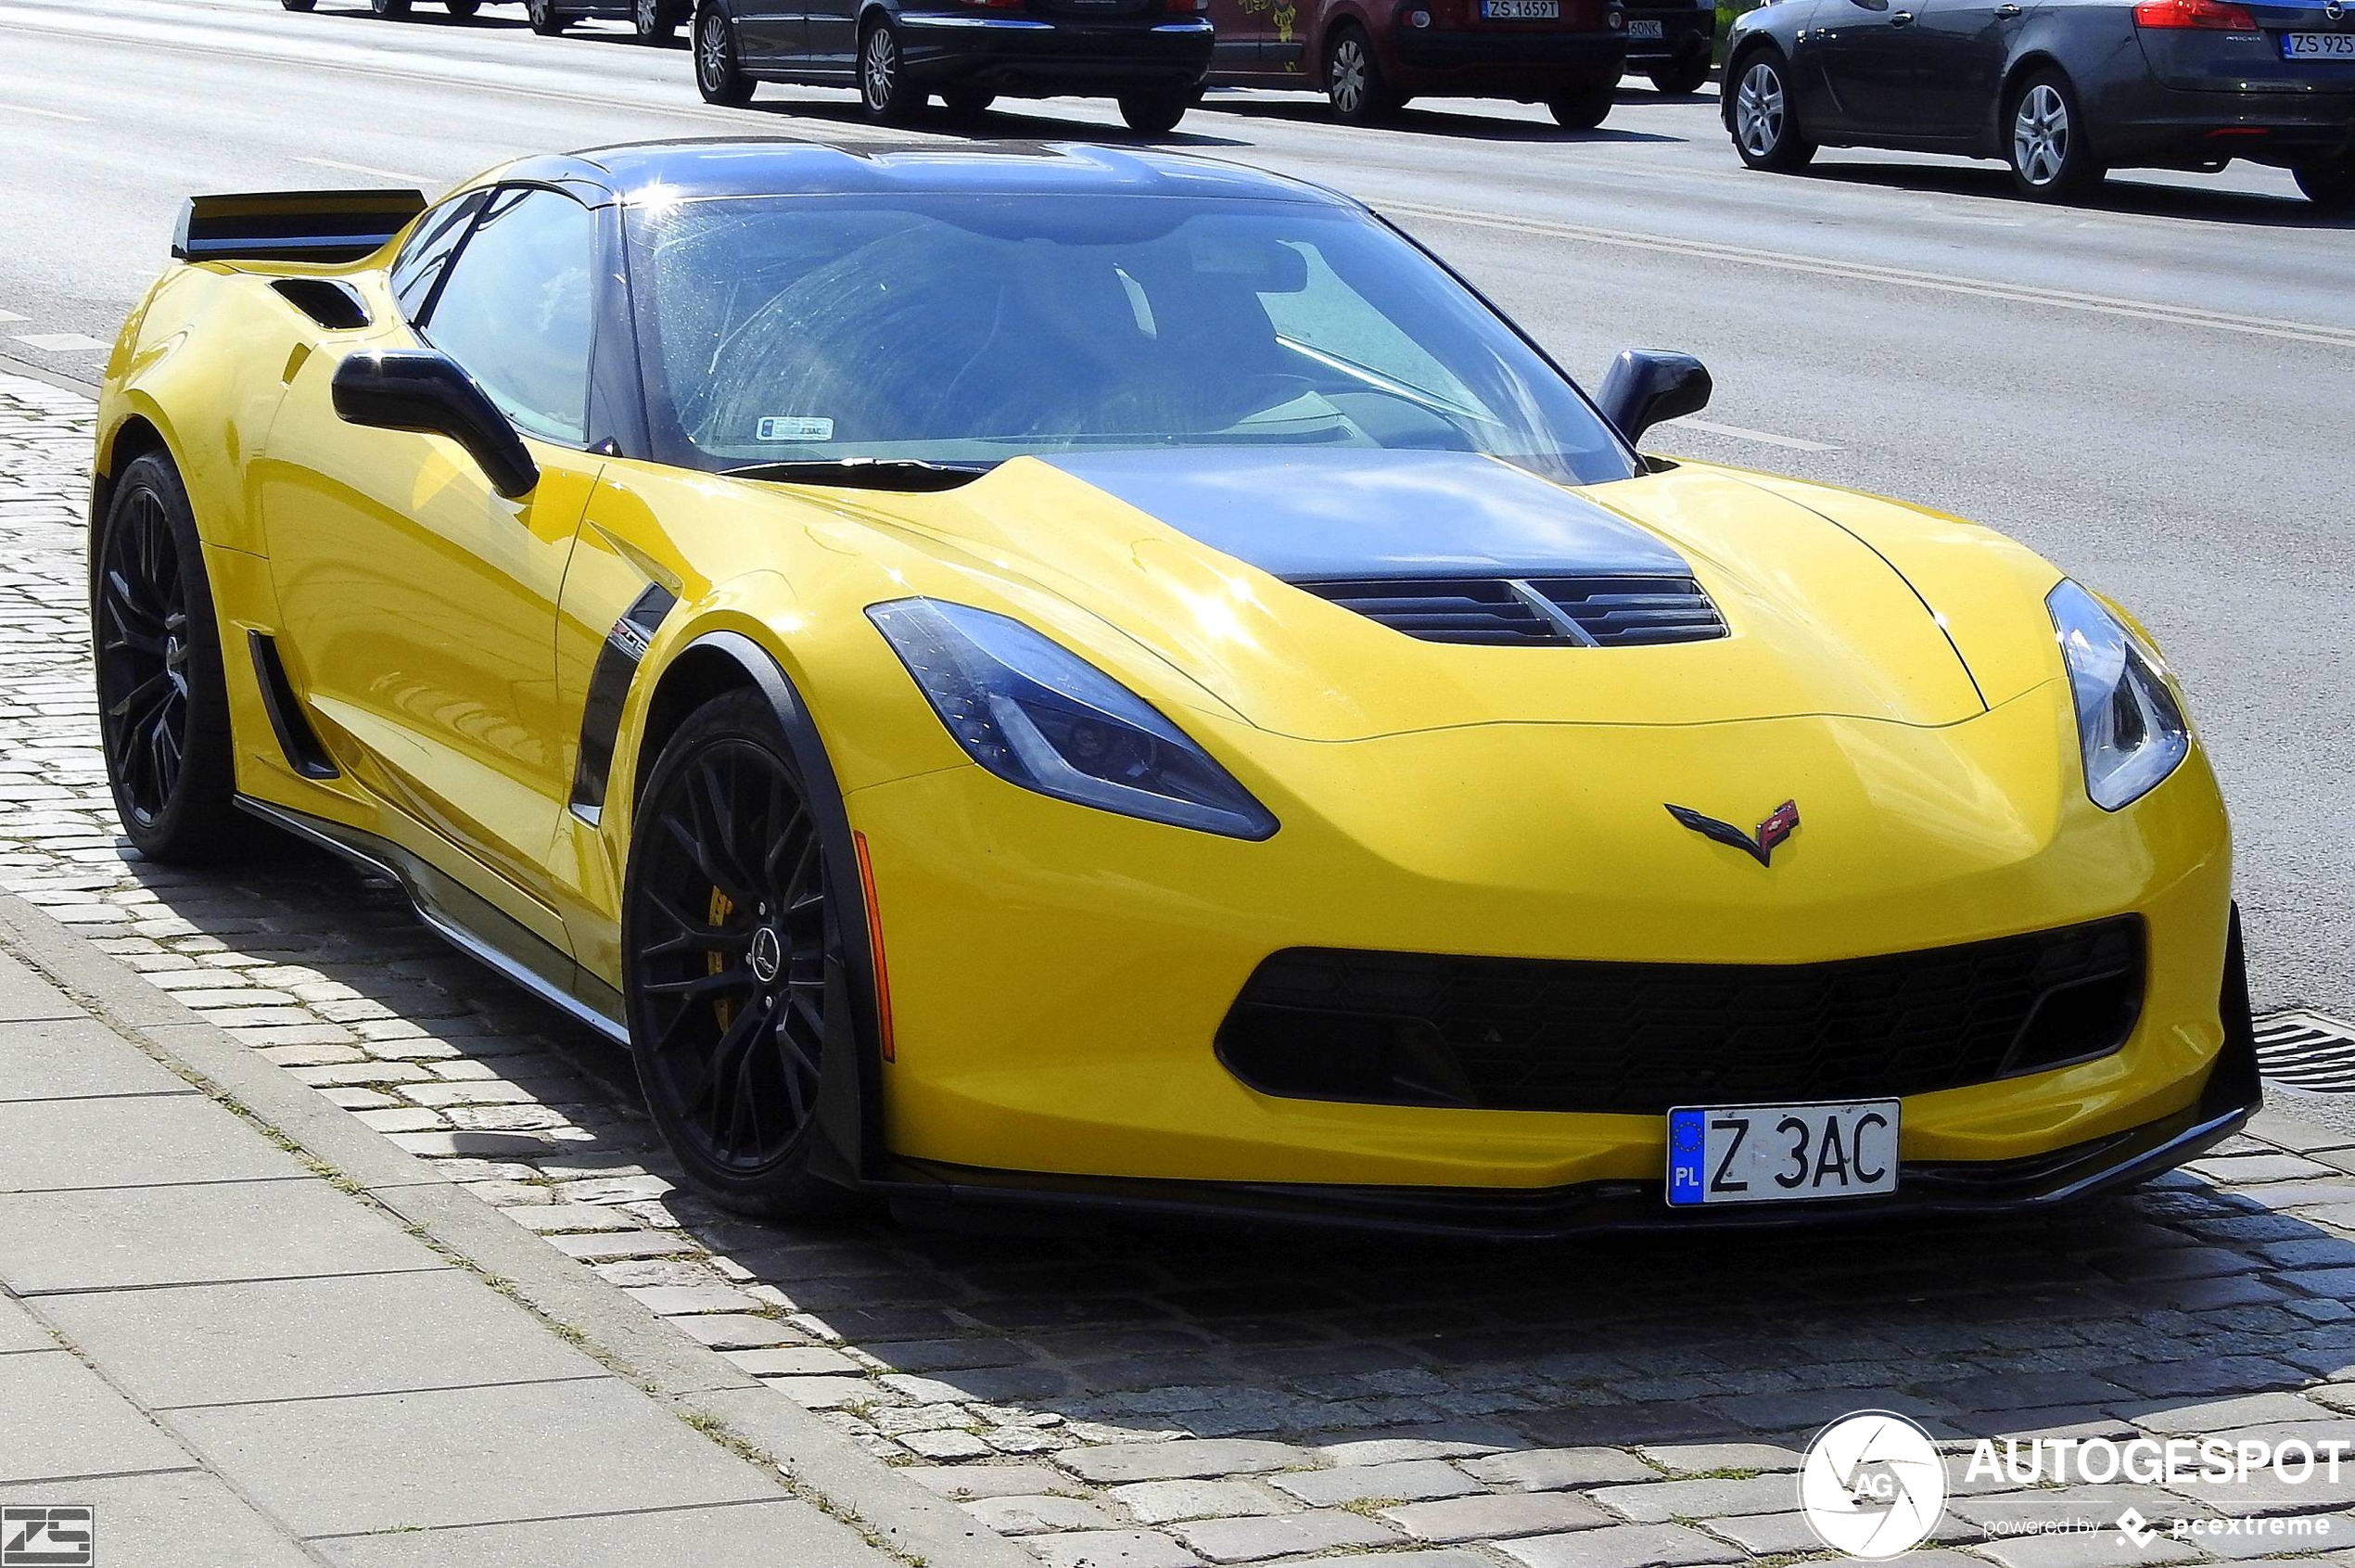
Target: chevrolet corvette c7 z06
{"x": 1057, "y": 676}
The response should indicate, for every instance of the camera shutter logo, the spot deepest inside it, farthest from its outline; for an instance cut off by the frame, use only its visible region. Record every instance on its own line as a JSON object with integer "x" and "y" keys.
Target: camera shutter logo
{"x": 1872, "y": 1485}
{"x": 56, "y": 1536}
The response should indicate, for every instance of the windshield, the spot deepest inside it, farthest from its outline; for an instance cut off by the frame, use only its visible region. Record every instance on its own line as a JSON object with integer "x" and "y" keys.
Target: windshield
{"x": 967, "y": 329}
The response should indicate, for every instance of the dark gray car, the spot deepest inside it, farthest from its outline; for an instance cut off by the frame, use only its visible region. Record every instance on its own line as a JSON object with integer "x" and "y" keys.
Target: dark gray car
{"x": 2063, "y": 90}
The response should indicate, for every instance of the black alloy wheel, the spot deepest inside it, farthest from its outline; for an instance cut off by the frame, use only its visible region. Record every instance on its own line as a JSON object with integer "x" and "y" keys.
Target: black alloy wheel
{"x": 885, "y": 91}
{"x": 719, "y": 77}
{"x": 1353, "y": 80}
{"x": 545, "y": 20}
{"x": 163, "y": 706}
{"x": 1764, "y": 118}
{"x": 1155, "y": 114}
{"x": 730, "y": 932}
{"x": 1585, "y": 107}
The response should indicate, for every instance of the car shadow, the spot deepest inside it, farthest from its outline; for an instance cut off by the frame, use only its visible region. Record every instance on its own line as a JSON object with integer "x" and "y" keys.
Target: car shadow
{"x": 1430, "y": 122}
{"x": 2121, "y": 193}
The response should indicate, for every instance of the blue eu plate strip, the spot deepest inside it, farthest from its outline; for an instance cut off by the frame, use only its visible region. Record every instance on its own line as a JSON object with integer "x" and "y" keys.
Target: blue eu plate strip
{"x": 1687, "y": 1148}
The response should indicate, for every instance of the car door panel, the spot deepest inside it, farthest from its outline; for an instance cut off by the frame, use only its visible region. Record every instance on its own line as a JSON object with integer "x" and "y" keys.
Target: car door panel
{"x": 1962, "y": 48}
{"x": 1866, "y": 64}
{"x": 772, "y": 34}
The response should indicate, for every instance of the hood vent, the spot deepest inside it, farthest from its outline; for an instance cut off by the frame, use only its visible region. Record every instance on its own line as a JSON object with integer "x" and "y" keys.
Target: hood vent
{"x": 1592, "y": 612}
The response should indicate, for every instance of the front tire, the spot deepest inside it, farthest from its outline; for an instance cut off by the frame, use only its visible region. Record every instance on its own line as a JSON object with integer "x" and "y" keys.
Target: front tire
{"x": 297, "y": 5}
{"x": 2045, "y": 141}
{"x": 1154, "y": 114}
{"x": 2330, "y": 187}
{"x": 967, "y": 102}
{"x": 884, "y": 90}
{"x": 1686, "y": 75}
{"x": 1765, "y": 119}
{"x": 462, "y": 10}
{"x": 1353, "y": 80}
{"x": 719, "y": 77}
{"x": 731, "y": 927}
{"x": 163, "y": 702}
{"x": 653, "y": 22}
{"x": 545, "y": 20}
{"x": 389, "y": 10}
{"x": 1584, "y": 109}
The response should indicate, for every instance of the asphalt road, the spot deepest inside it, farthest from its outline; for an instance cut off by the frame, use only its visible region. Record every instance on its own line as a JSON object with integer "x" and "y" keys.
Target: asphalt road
{"x": 2157, "y": 392}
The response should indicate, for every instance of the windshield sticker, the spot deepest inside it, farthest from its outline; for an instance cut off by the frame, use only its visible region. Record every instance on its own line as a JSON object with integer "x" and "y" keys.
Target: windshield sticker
{"x": 794, "y": 427}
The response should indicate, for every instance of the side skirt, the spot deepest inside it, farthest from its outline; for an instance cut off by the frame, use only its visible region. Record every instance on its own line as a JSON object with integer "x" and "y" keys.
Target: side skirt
{"x": 466, "y": 921}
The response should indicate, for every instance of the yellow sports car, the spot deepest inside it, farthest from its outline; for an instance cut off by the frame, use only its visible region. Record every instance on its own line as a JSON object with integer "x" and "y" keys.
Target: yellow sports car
{"x": 1061, "y": 676}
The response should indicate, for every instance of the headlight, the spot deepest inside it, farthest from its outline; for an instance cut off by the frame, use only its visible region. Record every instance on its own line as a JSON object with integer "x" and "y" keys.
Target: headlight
{"x": 2128, "y": 721}
{"x": 1040, "y": 716}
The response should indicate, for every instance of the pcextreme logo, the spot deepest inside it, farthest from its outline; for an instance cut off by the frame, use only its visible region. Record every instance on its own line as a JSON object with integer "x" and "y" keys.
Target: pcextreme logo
{"x": 1872, "y": 1485}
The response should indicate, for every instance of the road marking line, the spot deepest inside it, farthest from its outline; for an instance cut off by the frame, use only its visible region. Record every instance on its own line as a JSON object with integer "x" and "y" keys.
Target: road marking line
{"x": 363, "y": 169}
{"x": 1742, "y": 433}
{"x": 10, "y": 315}
{"x": 48, "y": 113}
{"x": 2025, "y": 294}
{"x": 58, "y": 342}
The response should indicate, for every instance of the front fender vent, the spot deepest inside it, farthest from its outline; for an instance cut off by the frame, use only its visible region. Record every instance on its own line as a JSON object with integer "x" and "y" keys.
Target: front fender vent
{"x": 1591, "y": 612}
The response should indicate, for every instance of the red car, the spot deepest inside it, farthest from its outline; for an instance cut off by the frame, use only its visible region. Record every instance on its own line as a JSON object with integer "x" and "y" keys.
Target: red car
{"x": 1370, "y": 56}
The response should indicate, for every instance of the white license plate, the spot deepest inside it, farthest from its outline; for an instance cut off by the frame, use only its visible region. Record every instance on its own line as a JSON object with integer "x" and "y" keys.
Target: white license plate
{"x": 1642, "y": 31}
{"x": 1781, "y": 1153}
{"x": 2318, "y": 45}
{"x": 1522, "y": 10}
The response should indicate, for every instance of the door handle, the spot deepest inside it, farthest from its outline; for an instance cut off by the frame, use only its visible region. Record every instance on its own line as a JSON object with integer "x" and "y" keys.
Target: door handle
{"x": 2007, "y": 12}
{"x": 1901, "y": 19}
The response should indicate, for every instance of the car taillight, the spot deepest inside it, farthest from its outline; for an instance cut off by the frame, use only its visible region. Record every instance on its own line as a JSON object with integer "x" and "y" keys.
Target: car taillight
{"x": 1186, "y": 7}
{"x": 2207, "y": 15}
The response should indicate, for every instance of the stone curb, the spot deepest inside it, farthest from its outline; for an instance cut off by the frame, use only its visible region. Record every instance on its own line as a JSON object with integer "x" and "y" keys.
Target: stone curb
{"x": 701, "y": 1384}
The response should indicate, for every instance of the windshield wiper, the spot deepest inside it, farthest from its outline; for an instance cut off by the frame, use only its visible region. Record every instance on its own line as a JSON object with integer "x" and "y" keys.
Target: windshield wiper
{"x": 866, "y": 473}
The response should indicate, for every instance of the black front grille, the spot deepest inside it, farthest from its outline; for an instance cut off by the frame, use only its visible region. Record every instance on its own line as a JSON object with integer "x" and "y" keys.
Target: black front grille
{"x": 1545, "y": 1035}
{"x": 1594, "y": 612}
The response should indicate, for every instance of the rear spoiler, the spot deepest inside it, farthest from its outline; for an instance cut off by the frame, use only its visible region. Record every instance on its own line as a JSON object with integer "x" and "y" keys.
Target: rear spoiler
{"x": 291, "y": 225}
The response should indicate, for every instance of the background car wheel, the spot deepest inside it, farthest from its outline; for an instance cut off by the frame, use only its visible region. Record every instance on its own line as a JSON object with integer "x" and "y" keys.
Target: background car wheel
{"x": 299, "y": 5}
{"x": 2329, "y": 186}
{"x": 1353, "y": 80}
{"x": 1762, "y": 117}
{"x": 654, "y": 21}
{"x": 884, "y": 90}
{"x": 163, "y": 705}
{"x": 2045, "y": 137}
{"x": 717, "y": 76}
{"x": 1155, "y": 114}
{"x": 390, "y": 11}
{"x": 1686, "y": 75}
{"x": 462, "y": 10}
{"x": 545, "y": 20}
{"x": 729, "y": 925}
{"x": 967, "y": 102}
{"x": 1584, "y": 109}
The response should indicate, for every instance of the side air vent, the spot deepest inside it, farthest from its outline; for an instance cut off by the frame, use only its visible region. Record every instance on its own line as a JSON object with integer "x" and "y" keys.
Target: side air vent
{"x": 297, "y": 741}
{"x": 1593, "y": 612}
{"x": 329, "y": 302}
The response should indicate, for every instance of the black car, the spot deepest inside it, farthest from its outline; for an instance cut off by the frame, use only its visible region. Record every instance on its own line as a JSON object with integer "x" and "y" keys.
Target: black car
{"x": 2063, "y": 90}
{"x": 654, "y": 21}
{"x": 1671, "y": 43}
{"x": 1150, "y": 55}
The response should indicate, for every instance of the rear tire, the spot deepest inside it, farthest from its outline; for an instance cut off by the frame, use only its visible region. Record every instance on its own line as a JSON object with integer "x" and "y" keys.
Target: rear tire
{"x": 717, "y": 76}
{"x": 884, "y": 90}
{"x": 654, "y": 21}
{"x": 1353, "y": 80}
{"x": 1155, "y": 114}
{"x": 462, "y": 10}
{"x": 732, "y": 931}
{"x": 1585, "y": 109}
{"x": 1686, "y": 75}
{"x": 2045, "y": 144}
{"x": 163, "y": 701}
{"x": 297, "y": 5}
{"x": 1762, "y": 119}
{"x": 967, "y": 102}
{"x": 389, "y": 10}
{"x": 2330, "y": 187}
{"x": 545, "y": 20}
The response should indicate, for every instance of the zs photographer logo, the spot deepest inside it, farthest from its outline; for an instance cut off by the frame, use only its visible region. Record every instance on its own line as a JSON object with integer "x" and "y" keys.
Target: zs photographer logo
{"x": 60, "y": 1535}
{"x": 1872, "y": 1485}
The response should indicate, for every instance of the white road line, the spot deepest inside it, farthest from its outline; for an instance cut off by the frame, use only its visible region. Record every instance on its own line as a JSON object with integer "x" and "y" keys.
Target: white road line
{"x": 2024, "y": 294}
{"x": 10, "y": 315}
{"x": 1742, "y": 434}
{"x": 419, "y": 180}
{"x": 58, "y": 342}
{"x": 48, "y": 113}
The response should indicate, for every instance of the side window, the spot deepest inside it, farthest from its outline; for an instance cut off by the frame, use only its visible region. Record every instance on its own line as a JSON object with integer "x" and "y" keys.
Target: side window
{"x": 516, "y": 309}
{"x": 419, "y": 265}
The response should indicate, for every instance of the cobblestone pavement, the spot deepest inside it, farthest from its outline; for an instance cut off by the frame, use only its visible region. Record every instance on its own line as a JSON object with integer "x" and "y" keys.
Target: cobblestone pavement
{"x": 1169, "y": 1397}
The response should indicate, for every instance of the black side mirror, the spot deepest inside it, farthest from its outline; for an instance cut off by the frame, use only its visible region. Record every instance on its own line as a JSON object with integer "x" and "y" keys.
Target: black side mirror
{"x": 416, "y": 389}
{"x": 1644, "y": 386}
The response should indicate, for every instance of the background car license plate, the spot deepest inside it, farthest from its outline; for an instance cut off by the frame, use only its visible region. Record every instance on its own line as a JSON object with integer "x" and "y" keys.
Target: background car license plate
{"x": 1521, "y": 11}
{"x": 1781, "y": 1153}
{"x": 1642, "y": 29}
{"x": 2318, "y": 45}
